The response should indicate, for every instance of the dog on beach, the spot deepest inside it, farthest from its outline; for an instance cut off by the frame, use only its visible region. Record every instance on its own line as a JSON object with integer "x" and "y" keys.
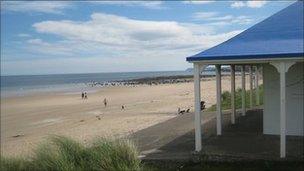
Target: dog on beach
{"x": 179, "y": 111}
{"x": 203, "y": 105}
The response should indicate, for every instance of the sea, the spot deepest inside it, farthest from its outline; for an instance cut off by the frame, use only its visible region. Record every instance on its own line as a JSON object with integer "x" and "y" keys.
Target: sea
{"x": 21, "y": 85}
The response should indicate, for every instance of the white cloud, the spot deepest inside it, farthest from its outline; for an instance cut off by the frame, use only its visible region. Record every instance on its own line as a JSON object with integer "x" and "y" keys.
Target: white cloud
{"x": 35, "y": 41}
{"x": 215, "y": 19}
{"x": 101, "y": 43}
{"x": 145, "y": 4}
{"x": 250, "y": 4}
{"x": 59, "y": 48}
{"x": 131, "y": 35}
{"x": 23, "y": 35}
{"x": 204, "y": 15}
{"x": 198, "y": 2}
{"x": 256, "y": 4}
{"x": 54, "y": 7}
{"x": 238, "y": 4}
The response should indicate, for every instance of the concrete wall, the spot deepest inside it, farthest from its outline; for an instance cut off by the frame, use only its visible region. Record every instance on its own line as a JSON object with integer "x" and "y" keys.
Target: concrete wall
{"x": 294, "y": 100}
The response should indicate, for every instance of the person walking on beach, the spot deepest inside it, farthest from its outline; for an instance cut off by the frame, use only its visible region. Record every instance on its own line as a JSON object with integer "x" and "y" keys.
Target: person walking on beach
{"x": 85, "y": 95}
{"x": 82, "y": 95}
{"x": 105, "y": 102}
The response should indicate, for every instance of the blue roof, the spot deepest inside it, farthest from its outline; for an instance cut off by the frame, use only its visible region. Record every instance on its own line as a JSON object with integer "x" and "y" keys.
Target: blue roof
{"x": 280, "y": 35}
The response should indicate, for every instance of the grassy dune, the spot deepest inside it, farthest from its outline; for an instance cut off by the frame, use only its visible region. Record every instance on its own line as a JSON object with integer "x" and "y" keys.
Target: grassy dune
{"x": 61, "y": 153}
{"x": 226, "y": 99}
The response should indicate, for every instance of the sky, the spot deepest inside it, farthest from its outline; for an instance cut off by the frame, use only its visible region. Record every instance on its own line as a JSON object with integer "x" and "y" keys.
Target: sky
{"x": 44, "y": 37}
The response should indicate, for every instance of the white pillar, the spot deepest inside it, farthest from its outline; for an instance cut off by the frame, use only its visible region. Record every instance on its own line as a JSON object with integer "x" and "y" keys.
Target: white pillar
{"x": 197, "y": 105}
{"x": 218, "y": 101}
{"x": 243, "y": 91}
{"x": 282, "y": 68}
{"x": 257, "y": 89}
{"x": 233, "y": 94}
{"x": 282, "y": 111}
{"x": 251, "y": 87}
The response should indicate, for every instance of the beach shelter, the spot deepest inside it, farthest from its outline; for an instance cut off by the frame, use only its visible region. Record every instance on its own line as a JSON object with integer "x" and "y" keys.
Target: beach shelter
{"x": 274, "y": 46}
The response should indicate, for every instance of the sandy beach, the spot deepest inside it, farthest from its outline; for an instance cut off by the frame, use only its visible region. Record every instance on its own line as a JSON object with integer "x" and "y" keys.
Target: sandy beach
{"x": 28, "y": 120}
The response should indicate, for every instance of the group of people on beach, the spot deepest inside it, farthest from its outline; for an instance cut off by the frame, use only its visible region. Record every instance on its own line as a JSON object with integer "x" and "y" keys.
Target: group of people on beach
{"x": 105, "y": 102}
{"x": 84, "y": 95}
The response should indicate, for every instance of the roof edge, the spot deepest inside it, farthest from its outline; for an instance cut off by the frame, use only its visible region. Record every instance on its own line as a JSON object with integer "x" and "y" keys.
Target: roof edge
{"x": 210, "y": 58}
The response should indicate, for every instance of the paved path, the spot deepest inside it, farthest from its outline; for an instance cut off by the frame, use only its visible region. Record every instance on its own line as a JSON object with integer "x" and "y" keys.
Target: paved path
{"x": 174, "y": 139}
{"x": 153, "y": 139}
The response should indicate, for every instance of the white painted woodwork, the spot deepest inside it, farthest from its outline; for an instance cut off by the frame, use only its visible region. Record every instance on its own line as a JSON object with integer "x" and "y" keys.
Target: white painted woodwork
{"x": 282, "y": 69}
{"x": 218, "y": 101}
{"x": 233, "y": 111}
{"x": 243, "y": 91}
{"x": 197, "y": 104}
{"x": 257, "y": 89}
{"x": 282, "y": 110}
{"x": 251, "y": 88}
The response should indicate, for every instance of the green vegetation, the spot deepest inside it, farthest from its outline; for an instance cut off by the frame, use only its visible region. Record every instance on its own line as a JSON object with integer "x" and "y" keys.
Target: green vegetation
{"x": 61, "y": 153}
{"x": 226, "y": 99}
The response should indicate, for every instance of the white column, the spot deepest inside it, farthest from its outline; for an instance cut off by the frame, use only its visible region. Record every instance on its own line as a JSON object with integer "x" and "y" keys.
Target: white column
{"x": 282, "y": 111}
{"x": 282, "y": 68}
{"x": 257, "y": 89}
{"x": 243, "y": 91}
{"x": 197, "y": 105}
{"x": 218, "y": 101}
{"x": 233, "y": 94}
{"x": 251, "y": 87}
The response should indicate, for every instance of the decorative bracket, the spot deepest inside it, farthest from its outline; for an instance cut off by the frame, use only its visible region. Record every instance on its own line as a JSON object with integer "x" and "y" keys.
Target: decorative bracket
{"x": 282, "y": 66}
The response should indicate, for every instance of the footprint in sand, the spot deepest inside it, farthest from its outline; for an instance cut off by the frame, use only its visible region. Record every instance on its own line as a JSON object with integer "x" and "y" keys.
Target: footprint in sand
{"x": 95, "y": 112}
{"x": 49, "y": 121}
{"x": 18, "y": 135}
{"x": 98, "y": 117}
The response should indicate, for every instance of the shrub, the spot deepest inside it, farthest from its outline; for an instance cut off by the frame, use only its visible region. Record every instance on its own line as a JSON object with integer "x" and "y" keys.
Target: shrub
{"x": 15, "y": 164}
{"x": 62, "y": 153}
{"x": 226, "y": 99}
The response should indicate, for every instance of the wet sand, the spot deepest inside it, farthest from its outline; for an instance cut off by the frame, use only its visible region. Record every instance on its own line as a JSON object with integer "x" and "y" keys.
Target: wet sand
{"x": 28, "y": 120}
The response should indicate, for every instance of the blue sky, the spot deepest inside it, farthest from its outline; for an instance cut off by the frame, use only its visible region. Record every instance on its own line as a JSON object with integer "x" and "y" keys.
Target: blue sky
{"x": 105, "y": 36}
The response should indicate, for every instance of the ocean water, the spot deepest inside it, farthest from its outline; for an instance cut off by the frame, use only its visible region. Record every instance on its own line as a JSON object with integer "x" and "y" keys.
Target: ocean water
{"x": 72, "y": 83}
{"x": 69, "y": 83}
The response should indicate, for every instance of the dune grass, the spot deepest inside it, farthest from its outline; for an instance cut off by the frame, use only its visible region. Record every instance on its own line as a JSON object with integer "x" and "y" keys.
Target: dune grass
{"x": 62, "y": 153}
{"x": 226, "y": 99}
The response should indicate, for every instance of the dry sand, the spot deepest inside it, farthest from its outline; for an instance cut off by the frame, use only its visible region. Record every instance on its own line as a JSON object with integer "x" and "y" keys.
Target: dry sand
{"x": 26, "y": 121}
